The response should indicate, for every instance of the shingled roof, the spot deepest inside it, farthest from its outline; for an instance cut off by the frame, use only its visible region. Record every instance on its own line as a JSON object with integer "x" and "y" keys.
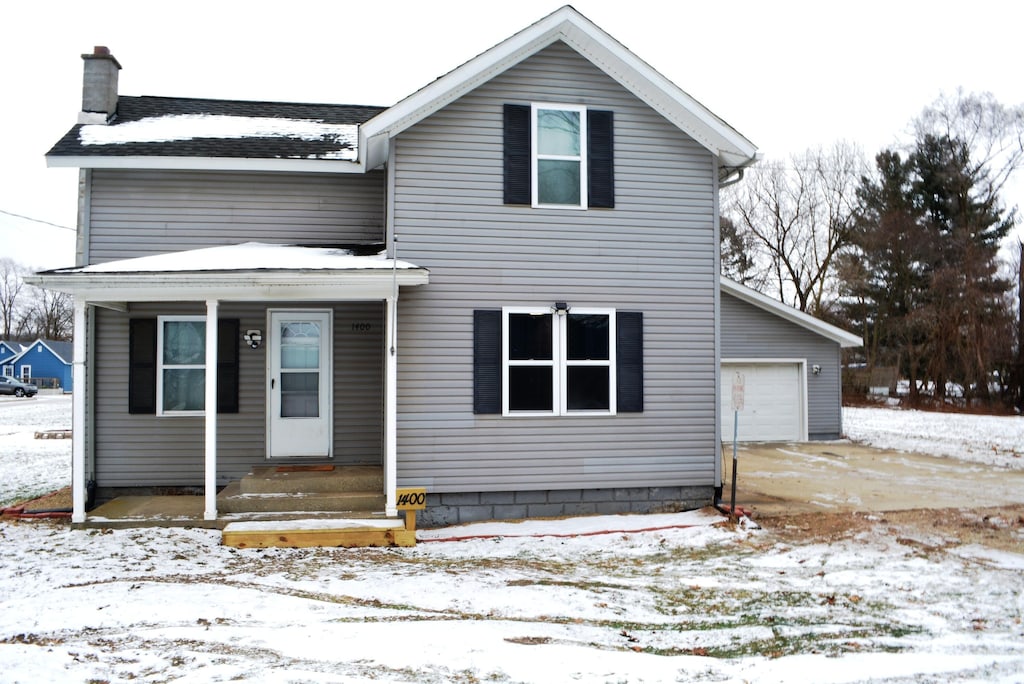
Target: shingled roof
{"x": 188, "y": 127}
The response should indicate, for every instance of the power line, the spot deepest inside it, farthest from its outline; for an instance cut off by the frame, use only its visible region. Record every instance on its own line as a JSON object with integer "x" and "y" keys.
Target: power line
{"x": 29, "y": 218}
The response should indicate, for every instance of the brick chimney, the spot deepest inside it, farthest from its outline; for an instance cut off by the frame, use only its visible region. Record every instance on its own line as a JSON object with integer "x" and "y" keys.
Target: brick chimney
{"x": 99, "y": 86}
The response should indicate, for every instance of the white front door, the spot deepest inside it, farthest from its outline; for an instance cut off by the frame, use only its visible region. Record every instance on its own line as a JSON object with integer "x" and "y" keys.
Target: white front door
{"x": 299, "y": 384}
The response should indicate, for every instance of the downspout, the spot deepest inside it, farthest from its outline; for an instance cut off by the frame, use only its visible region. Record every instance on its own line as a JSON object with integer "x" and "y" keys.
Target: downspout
{"x": 391, "y": 353}
{"x": 730, "y": 176}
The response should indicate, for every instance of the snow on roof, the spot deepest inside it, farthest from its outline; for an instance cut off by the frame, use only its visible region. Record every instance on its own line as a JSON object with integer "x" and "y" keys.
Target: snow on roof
{"x": 249, "y": 256}
{"x": 179, "y": 127}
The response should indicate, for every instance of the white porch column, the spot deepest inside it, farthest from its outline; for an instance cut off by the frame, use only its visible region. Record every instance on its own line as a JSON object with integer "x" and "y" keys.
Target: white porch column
{"x": 390, "y": 404}
{"x": 210, "y": 411}
{"x": 78, "y": 422}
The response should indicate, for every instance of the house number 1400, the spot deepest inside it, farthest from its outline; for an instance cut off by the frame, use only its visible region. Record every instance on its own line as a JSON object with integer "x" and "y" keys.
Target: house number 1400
{"x": 362, "y": 327}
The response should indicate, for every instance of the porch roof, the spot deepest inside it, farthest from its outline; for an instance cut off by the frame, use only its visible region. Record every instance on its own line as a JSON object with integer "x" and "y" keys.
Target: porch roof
{"x": 247, "y": 272}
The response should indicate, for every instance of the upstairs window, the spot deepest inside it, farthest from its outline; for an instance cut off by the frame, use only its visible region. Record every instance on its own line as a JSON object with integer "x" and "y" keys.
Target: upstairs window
{"x": 558, "y": 156}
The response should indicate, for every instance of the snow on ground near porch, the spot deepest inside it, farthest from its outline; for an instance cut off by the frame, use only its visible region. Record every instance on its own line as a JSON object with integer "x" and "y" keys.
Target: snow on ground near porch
{"x": 706, "y": 603}
{"x": 991, "y": 440}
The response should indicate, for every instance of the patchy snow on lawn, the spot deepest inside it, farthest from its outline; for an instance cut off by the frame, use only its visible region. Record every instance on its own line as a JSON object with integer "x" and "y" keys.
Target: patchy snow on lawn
{"x": 30, "y": 467}
{"x": 992, "y": 440}
{"x": 682, "y": 598}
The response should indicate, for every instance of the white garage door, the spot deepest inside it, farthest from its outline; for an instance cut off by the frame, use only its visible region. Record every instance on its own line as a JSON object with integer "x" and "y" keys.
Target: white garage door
{"x": 774, "y": 402}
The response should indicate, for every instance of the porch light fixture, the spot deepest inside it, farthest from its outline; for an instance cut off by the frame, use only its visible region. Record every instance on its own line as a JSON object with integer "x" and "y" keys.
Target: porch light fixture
{"x": 560, "y": 308}
{"x": 253, "y": 338}
{"x": 816, "y": 369}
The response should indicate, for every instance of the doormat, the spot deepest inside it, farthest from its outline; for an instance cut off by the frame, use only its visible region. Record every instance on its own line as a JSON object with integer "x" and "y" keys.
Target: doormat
{"x": 304, "y": 469}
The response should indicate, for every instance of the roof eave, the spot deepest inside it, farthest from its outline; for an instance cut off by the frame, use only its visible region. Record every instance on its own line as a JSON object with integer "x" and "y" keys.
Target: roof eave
{"x": 843, "y": 338}
{"x": 250, "y": 285}
{"x": 588, "y": 39}
{"x": 204, "y": 163}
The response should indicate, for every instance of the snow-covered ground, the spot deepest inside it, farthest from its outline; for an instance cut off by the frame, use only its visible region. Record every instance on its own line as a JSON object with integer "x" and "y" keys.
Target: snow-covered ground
{"x": 692, "y": 601}
{"x": 993, "y": 440}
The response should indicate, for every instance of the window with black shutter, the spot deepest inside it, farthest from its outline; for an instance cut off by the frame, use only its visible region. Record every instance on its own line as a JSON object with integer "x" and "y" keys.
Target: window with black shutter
{"x": 166, "y": 365}
{"x": 541, "y": 362}
{"x": 558, "y": 156}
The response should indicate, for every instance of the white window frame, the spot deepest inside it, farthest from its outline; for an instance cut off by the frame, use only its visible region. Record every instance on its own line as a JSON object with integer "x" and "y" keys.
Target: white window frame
{"x": 8, "y": 370}
{"x": 535, "y": 156}
{"x": 559, "y": 361}
{"x": 26, "y": 372}
{"x": 160, "y": 366}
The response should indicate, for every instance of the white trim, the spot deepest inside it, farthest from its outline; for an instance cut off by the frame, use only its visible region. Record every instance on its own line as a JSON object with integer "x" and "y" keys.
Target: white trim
{"x": 78, "y": 418}
{"x": 210, "y": 427}
{"x": 536, "y": 156}
{"x": 390, "y": 406}
{"x": 32, "y": 347}
{"x": 337, "y": 166}
{"x": 8, "y": 370}
{"x": 801, "y": 365}
{"x": 559, "y": 363}
{"x": 845, "y": 339}
{"x": 235, "y": 286}
{"x": 568, "y": 25}
{"x": 25, "y": 376}
{"x": 160, "y": 366}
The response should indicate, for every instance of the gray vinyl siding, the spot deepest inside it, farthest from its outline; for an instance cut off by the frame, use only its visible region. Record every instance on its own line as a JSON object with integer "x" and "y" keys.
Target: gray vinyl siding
{"x": 749, "y": 332}
{"x": 654, "y": 253}
{"x": 137, "y": 213}
{"x": 149, "y": 450}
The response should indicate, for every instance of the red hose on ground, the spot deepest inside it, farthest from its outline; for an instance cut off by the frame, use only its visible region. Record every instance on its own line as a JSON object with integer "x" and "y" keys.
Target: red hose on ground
{"x": 542, "y": 534}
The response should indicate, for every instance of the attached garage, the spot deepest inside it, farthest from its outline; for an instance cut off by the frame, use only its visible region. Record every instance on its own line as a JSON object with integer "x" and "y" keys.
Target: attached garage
{"x": 791, "y": 366}
{"x": 774, "y": 409}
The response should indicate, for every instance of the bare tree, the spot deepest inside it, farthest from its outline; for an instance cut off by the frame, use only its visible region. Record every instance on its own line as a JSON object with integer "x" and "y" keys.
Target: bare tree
{"x": 798, "y": 214}
{"x": 50, "y": 315}
{"x": 11, "y": 286}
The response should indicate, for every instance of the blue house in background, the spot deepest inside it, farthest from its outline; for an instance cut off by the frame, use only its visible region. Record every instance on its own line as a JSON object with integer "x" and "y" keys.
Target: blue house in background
{"x": 8, "y": 350}
{"x": 47, "y": 363}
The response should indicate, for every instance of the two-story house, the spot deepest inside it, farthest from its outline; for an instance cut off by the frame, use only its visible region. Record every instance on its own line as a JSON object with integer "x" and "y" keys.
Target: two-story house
{"x": 504, "y": 288}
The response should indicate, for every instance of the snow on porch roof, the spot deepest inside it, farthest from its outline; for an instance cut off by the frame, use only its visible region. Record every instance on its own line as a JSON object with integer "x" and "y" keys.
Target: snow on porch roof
{"x": 249, "y": 256}
{"x": 252, "y": 271}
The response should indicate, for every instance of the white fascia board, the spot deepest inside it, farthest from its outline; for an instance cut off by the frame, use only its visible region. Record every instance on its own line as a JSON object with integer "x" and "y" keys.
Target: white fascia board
{"x": 773, "y": 306}
{"x": 202, "y": 286}
{"x": 205, "y": 163}
{"x": 41, "y": 341}
{"x": 593, "y": 43}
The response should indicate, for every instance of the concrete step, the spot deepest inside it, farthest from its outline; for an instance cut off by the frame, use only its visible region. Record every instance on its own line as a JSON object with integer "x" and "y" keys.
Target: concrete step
{"x": 270, "y": 480}
{"x": 232, "y": 500}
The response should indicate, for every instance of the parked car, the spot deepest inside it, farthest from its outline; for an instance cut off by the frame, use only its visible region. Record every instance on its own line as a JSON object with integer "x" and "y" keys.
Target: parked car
{"x": 17, "y": 387}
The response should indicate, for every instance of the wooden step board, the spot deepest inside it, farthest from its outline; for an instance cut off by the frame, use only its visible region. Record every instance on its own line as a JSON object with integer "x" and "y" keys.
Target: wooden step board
{"x": 294, "y": 534}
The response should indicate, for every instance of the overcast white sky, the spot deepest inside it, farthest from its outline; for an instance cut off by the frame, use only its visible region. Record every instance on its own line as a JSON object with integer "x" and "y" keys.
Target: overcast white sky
{"x": 788, "y": 75}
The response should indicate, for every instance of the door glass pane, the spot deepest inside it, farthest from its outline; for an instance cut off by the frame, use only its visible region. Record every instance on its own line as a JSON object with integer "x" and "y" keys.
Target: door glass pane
{"x": 558, "y": 182}
{"x": 588, "y": 337}
{"x": 588, "y": 388}
{"x": 558, "y": 132}
{"x": 184, "y": 389}
{"x": 300, "y": 344}
{"x": 184, "y": 343}
{"x": 529, "y": 388}
{"x": 300, "y": 395}
{"x": 529, "y": 337}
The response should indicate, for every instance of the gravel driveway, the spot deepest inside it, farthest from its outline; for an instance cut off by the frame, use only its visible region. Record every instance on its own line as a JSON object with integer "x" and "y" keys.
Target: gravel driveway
{"x": 789, "y": 478}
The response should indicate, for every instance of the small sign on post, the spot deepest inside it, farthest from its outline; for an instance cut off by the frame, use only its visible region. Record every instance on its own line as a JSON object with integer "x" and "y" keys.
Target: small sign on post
{"x": 739, "y": 390}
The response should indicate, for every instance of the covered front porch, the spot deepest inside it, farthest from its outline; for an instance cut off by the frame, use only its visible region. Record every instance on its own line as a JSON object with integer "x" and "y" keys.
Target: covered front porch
{"x": 301, "y": 295}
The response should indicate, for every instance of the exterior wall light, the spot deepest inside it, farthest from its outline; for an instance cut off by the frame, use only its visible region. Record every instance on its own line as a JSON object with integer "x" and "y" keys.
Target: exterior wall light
{"x": 816, "y": 369}
{"x": 253, "y": 338}
{"x": 560, "y": 308}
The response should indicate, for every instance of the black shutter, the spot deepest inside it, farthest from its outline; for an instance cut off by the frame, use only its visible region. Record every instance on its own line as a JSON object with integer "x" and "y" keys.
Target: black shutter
{"x": 629, "y": 363}
{"x": 518, "y": 189}
{"x": 227, "y": 365}
{"x": 600, "y": 159}
{"x": 142, "y": 365}
{"x": 486, "y": 361}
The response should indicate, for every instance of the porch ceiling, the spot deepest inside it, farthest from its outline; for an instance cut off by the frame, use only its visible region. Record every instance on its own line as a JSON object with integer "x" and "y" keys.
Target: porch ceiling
{"x": 246, "y": 272}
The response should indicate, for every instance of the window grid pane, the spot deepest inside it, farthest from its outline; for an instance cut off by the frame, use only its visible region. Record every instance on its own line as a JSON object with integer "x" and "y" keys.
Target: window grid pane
{"x": 558, "y": 132}
{"x": 558, "y": 182}
{"x": 531, "y": 388}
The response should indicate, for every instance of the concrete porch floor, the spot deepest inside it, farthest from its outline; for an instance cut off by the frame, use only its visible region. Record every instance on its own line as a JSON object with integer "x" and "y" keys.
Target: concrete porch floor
{"x": 187, "y": 511}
